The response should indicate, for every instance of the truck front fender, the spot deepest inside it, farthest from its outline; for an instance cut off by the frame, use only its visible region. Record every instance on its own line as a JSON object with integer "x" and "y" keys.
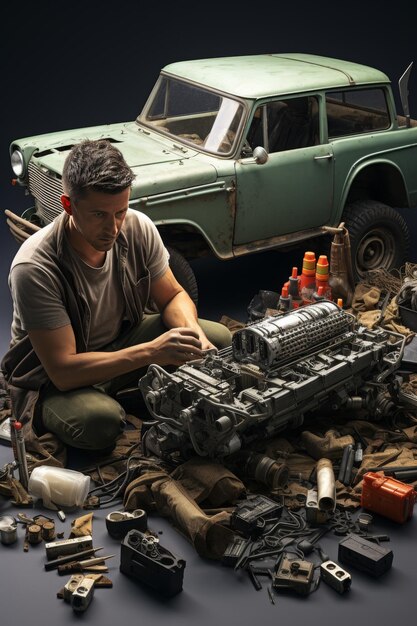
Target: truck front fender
{"x": 213, "y": 204}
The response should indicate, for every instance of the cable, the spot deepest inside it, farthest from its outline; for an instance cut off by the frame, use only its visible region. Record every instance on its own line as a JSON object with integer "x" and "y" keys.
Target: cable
{"x": 234, "y": 409}
{"x": 117, "y": 485}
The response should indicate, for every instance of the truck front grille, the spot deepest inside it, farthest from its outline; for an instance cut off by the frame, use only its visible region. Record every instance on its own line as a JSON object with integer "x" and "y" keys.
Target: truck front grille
{"x": 46, "y": 188}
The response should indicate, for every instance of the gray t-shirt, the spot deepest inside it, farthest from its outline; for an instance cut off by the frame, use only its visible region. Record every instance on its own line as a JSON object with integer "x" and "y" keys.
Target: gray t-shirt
{"x": 37, "y": 297}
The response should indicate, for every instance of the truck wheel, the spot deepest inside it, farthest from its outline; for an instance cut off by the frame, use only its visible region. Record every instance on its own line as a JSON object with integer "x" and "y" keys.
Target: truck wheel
{"x": 379, "y": 236}
{"x": 183, "y": 273}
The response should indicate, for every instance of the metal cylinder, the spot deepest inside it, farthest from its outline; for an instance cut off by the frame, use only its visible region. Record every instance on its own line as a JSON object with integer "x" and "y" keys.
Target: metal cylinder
{"x": 8, "y": 529}
{"x": 223, "y": 424}
{"x": 326, "y": 487}
{"x": 266, "y": 470}
{"x": 8, "y": 535}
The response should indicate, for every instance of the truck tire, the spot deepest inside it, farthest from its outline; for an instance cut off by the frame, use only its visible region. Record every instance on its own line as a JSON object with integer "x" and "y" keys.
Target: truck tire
{"x": 379, "y": 236}
{"x": 183, "y": 273}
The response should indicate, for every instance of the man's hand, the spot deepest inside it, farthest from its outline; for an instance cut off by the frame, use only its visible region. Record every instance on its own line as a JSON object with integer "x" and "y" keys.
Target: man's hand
{"x": 177, "y": 346}
{"x": 205, "y": 343}
{"x": 177, "y": 309}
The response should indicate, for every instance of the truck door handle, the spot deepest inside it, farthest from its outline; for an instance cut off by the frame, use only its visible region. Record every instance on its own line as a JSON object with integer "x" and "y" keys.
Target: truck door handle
{"x": 325, "y": 156}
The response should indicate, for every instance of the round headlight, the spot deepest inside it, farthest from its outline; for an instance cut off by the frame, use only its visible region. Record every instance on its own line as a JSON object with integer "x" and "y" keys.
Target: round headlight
{"x": 18, "y": 163}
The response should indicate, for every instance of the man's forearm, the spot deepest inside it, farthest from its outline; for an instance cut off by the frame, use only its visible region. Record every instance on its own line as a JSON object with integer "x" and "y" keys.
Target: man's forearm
{"x": 94, "y": 367}
{"x": 89, "y": 368}
{"x": 68, "y": 369}
{"x": 180, "y": 311}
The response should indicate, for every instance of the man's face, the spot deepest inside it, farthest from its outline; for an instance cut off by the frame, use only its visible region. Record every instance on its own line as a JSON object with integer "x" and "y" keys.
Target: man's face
{"x": 98, "y": 217}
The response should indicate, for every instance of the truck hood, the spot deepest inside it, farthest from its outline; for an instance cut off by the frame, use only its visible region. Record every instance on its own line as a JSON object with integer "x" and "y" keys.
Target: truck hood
{"x": 158, "y": 163}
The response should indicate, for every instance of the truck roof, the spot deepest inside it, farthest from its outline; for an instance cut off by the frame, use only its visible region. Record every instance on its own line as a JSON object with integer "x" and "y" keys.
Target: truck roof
{"x": 263, "y": 75}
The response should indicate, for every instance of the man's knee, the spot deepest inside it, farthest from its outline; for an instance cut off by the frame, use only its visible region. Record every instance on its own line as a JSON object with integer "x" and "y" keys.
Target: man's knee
{"x": 223, "y": 337}
{"x": 102, "y": 425}
{"x": 84, "y": 418}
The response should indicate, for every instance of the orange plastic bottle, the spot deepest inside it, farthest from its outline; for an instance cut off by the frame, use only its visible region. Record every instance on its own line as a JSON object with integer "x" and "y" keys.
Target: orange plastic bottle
{"x": 307, "y": 278}
{"x": 322, "y": 276}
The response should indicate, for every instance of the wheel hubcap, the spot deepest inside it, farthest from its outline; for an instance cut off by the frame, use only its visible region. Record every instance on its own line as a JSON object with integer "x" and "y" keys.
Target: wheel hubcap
{"x": 376, "y": 250}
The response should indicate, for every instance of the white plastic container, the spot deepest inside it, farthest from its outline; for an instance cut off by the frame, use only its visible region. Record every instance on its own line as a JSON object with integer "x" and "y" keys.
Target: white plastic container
{"x": 58, "y": 486}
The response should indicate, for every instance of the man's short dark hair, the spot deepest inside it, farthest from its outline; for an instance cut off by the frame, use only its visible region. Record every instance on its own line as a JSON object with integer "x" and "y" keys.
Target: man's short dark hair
{"x": 97, "y": 166}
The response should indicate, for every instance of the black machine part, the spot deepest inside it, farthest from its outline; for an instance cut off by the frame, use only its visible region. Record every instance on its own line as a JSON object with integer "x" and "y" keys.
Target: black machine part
{"x": 142, "y": 557}
{"x": 365, "y": 555}
{"x": 250, "y": 516}
{"x": 234, "y": 551}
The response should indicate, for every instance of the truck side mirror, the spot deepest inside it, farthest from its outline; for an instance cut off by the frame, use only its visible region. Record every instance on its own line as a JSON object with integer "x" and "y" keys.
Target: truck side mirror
{"x": 259, "y": 156}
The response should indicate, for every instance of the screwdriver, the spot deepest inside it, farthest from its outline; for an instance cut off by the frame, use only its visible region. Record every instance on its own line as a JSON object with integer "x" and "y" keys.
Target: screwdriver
{"x": 79, "y": 566}
{"x": 49, "y": 565}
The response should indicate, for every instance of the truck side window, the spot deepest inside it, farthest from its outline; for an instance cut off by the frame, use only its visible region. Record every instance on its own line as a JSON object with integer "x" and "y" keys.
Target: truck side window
{"x": 291, "y": 123}
{"x": 356, "y": 111}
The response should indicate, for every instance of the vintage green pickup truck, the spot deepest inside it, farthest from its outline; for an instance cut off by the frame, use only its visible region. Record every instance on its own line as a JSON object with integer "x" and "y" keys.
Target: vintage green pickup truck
{"x": 243, "y": 154}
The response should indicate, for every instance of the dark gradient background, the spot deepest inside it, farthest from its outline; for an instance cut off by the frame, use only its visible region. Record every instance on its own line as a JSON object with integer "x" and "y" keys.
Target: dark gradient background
{"x": 68, "y": 65}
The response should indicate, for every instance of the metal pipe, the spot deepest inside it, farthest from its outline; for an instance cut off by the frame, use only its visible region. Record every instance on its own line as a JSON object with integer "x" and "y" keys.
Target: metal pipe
{"x": 342, "y": 468}
{"x": 326, "y": 487}
{"x": 16, "y": 218}
{"x": 21, "y": 455}
{"x": 349, "y": 466}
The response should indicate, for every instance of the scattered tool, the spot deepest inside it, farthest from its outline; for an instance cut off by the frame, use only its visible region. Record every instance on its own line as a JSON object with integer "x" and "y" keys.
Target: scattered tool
{"x": 21, "y": 454}
{"x": 80, "y": 566}
{"x": 50, "y": 565}
{"x": 99, "y": 581}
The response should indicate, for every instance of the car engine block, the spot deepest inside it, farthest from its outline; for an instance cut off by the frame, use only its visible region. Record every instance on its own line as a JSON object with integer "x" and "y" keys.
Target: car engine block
{"x": 276, "y": 371}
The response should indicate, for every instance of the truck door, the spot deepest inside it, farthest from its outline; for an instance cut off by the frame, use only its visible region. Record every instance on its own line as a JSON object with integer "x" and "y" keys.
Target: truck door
{"x": 293, "y": 190}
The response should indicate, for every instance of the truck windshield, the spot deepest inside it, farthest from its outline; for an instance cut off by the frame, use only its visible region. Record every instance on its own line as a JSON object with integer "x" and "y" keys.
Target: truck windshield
{"x": 193, "y": 115}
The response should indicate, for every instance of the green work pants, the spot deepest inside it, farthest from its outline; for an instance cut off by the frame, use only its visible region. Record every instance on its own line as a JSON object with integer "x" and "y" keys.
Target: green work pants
{"x": 89, "y": 417}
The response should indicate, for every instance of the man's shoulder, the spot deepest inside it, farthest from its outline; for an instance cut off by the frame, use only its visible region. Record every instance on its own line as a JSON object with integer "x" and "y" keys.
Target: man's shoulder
{"x": 138, "y": 220}
{"x": 31, "y": 249}
{"x": 139, "y": 229}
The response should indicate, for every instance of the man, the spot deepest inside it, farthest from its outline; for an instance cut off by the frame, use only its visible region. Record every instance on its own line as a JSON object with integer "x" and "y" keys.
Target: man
{"x": 79, "y": 287}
